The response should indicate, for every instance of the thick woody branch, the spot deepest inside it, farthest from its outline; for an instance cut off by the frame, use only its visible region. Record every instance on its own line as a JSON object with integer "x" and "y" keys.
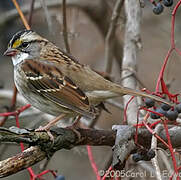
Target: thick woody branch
{"x": 21, "y": 161}
{"x": 42, "y": 146}
{"x": 63, "y": 137}
{"x": 131, "y": 45}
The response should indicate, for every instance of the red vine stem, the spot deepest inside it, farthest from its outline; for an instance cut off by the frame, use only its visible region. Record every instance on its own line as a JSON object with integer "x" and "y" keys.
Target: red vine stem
{"x": 45, "y": 172}
{"x": 160, "y": 79}
{"x": 93, "y": 164}
{"x": 107, "y": 173}
{"x": 163, "y": 69}
{"x": 136, "y": 134}
{"x": 171, "y": 48}
{"x": 17, "y": 112}
{"x": 156, "y": 135}
{"x": 125, "y": 109}
{"x": 173, "y": 27}
{"x": 171, "y": 148}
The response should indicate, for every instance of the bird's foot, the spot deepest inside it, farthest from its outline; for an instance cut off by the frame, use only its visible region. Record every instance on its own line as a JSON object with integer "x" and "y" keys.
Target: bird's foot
{"x": 46, "y": 129}
{"x": 73, "y": 127}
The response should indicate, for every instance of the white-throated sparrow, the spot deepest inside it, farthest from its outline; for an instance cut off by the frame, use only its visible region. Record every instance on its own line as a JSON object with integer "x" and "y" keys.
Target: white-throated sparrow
{"x": 56, "y": 83}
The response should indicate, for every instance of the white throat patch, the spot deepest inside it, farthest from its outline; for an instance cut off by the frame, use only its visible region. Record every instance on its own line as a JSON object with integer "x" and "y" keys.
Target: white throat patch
{"x": 19, "y": 57}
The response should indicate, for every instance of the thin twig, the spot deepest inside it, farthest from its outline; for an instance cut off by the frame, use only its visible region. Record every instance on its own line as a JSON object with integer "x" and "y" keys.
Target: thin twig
{"x": 47, "y": 15}
{"x": 109, "y": 41}
{"x": 31, "y": 12}
{"x": 13, "y": 102}
{"x": 21, "y": 14}
{"x": 13, "y": 105}
{"x": 65, "y": 37}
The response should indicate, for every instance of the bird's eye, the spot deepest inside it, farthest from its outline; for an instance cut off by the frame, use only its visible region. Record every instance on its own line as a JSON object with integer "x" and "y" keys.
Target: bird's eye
{"x": 24, "y": 45}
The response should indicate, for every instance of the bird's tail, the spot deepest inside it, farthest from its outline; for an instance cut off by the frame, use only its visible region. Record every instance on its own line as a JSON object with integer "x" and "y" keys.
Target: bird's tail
{"x": 133, "y": 92}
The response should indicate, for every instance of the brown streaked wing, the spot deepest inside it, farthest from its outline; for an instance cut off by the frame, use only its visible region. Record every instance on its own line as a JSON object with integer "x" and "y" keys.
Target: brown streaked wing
{"x": 51, "y": 84}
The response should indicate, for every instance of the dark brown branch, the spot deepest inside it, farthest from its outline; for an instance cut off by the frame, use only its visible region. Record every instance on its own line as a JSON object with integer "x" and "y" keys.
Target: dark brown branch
{"x": 63, "y": 137}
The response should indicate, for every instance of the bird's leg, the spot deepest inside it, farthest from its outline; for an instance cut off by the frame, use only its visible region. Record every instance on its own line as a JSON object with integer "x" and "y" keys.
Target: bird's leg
{"x": 75, "y": 125}
{"x": 49, "y": 125}
{"x": 76, "y": 122}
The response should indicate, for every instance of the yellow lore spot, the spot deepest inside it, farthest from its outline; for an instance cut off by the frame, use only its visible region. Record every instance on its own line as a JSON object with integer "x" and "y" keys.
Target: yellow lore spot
{"x": 17, "y": 43}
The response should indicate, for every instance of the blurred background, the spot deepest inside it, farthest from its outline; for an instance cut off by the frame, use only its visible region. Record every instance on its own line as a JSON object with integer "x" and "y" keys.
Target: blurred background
{"x": 86, "y": 38}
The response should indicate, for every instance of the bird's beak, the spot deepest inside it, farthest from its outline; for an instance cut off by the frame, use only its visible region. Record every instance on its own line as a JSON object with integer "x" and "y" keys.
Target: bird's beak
{"x": 10, "y": 52}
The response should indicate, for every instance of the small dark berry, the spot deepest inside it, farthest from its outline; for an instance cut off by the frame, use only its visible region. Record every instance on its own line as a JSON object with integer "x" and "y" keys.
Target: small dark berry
{"x": 156, "y": 116}
{"x": 137, "y": 157}
{"x": 178, "y": 108}
{"x": 168, "y": 3}
{"x": 149, "y": 102}
{"x": 60, "y": 177}
{"x": 165, "y": 107}
{"x": 158, "y": 9}
{"x": 161, "y": 111}
{"x": 172, "y": 115}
